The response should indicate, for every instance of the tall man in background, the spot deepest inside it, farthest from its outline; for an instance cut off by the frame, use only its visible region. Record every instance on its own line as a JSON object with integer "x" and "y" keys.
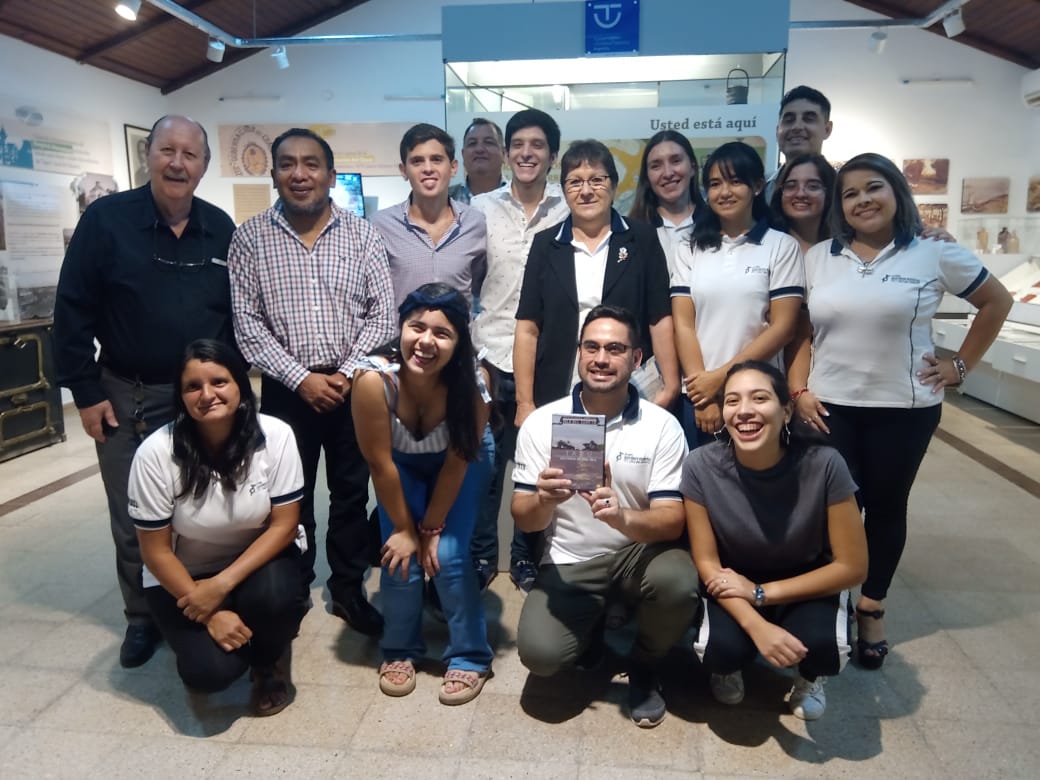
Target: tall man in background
{"x": 514, "y": 215}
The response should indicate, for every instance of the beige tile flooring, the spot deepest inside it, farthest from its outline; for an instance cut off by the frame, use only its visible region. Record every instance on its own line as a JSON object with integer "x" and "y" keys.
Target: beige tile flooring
{"x": 958, "y": 697}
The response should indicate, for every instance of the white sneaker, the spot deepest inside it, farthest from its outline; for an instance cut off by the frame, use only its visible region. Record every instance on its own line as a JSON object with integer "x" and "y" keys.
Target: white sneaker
{"x": 808, "y": 701}
{"x": 728, "y": 688}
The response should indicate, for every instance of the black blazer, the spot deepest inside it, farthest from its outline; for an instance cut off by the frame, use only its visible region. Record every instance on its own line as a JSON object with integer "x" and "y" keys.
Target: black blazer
{"x": 636, "y": 278}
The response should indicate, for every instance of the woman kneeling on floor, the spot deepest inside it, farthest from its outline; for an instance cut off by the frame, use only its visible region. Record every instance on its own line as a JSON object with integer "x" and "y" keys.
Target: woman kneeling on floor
{"x": 215, "y": 496}
{"x": 421, "y": 412}
{"x": 777, "y": 539}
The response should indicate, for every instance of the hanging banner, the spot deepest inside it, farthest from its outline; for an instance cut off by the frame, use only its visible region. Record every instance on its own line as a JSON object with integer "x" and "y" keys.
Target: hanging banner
{"x": 44, "y": 140}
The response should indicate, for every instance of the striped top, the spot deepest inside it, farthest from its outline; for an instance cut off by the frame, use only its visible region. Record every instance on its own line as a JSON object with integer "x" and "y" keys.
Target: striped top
{"x": 401, "y": 437}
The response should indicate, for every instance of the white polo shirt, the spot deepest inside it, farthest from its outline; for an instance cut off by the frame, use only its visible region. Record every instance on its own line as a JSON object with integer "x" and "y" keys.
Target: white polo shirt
{"x": 872, "y": 322}
{"x": 509, "y": 237}
{"x": 210, "y": 532}
{"x": 732, "y": 287}
{"x": 645, "y": 449}
{"x": 671, "y": 235}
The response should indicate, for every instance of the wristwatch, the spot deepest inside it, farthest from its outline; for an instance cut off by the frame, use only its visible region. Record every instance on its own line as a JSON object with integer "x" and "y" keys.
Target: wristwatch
{"x": 760, "y": 596}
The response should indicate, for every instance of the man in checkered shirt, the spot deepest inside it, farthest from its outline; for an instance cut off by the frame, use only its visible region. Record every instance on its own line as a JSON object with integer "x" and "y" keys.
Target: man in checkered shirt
{"x": 311, "y": 293}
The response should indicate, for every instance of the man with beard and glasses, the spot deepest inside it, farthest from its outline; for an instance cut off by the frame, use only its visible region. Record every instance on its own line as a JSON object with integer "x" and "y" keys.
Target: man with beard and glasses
{"x": 311, "y": 292}
{"x": 145, "y": 275}
{"x": 620, "y": 538}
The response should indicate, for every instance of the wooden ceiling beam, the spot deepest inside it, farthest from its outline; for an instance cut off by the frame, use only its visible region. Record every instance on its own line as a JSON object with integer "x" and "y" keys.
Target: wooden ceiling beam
{"x": 104, "y": 47}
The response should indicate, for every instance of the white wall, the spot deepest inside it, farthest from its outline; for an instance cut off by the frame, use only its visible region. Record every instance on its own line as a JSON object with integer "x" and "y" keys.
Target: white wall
{"x": 984, "y": 129}
{"x": 54, "y": 83}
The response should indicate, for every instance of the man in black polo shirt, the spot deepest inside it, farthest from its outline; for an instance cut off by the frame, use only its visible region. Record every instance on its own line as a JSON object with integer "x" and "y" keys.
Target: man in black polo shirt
{"x": 145, "y": 274}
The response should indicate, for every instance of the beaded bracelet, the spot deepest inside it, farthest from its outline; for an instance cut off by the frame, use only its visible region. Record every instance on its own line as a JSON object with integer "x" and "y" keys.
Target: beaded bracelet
{"x": 962, "y": 369}
{"x": 796, "y": 393}
{"x": 431, "y": 531}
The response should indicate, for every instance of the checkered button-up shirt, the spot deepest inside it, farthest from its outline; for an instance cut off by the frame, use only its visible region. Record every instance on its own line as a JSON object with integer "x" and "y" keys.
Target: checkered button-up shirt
{"x": 296, "y": 308}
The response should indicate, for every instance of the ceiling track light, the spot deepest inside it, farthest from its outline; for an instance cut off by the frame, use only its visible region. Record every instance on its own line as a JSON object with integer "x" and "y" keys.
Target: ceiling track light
{"x": 280, "y": 57}
{"x": 215, "y": 50}
{"x": 954, "y": 24}
{"x": 128, "y": 9}
{"x": 878, "y": 39}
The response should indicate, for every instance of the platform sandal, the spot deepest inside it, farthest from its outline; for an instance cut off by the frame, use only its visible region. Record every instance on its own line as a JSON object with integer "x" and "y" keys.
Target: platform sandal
{"x": 871, "y": 655}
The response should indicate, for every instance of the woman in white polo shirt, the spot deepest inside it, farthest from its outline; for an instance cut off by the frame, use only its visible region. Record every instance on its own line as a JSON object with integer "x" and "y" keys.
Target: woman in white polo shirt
{"x": 668, "y": 194}
{"x": 215, "y": 496}
{"x": 876, "y": 384}
{"x": 736, "y": 287}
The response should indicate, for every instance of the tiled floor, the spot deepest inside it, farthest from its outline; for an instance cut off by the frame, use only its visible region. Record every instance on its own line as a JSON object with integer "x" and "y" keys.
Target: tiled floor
{"x": 958, "y": 697}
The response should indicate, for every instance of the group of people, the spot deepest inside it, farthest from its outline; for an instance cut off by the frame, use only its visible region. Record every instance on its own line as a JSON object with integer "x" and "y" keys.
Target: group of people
{"x": 779, "y": 328}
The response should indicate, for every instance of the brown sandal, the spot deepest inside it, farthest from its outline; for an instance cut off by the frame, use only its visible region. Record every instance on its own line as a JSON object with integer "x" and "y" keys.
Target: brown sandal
{"x": 473, "y": 683}
{"x": 272, "y": 686}
{"x": 391, "y": 688}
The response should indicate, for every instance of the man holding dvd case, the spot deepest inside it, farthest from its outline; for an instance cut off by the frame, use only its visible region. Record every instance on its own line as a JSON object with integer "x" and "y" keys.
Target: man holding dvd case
{"x": 617, "y": 538}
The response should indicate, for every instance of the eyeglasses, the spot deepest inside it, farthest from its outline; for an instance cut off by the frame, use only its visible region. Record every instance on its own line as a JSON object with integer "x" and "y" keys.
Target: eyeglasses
{"x": 191, "y": 266}
{"x": 595, "y": 182}
{"x": 813, "y": 186}
{"x": 614, "y": 348}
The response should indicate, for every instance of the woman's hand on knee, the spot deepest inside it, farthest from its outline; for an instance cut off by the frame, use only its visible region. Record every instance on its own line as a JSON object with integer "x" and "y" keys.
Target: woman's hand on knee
{"x": 779, "y": 647}
{"x": 428, "y": 554}
{"x": 228, "y": 631}
{"x": 398, "y": 551}
{"x": 204, "y": 599}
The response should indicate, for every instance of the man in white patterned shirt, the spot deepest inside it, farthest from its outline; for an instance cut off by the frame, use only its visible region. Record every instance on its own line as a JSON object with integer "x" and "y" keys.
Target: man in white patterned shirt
{"x": 514, "y": 215}
{"x": 311, "y": 294}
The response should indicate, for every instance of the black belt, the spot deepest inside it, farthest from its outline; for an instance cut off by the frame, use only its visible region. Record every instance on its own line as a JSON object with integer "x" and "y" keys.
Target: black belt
{"x": 144, "y": 378}
{"x": 327, "y": 370}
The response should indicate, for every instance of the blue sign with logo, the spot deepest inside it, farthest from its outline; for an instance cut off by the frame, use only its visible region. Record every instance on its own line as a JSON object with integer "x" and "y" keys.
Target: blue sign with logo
{"x": 611, "y": 26}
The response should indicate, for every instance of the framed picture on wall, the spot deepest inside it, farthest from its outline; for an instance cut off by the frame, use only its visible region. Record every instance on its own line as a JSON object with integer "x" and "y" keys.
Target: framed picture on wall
{"x": 927, "y": 175}
{"x": 934, "y": 214}
{"x": 986, "y": 195}
{"x": 1033, "y": 195}
{"x": 136, "y": 154}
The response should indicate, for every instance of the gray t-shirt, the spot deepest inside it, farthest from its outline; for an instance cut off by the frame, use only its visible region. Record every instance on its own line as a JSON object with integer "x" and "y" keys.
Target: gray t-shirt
{"x": 768, "y": 524}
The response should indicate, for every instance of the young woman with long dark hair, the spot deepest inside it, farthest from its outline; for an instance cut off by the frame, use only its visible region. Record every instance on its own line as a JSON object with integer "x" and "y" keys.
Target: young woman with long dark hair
{"x": 875, "y": 383}
{"x": 215, "y": 496}
{"x": 777, "y": 540}
{"x": 421, "y": 413}
{"x": 736, "y": 287}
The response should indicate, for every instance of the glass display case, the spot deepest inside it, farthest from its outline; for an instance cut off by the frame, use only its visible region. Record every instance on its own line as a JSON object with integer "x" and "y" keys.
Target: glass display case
{"x": 614, "y": 82}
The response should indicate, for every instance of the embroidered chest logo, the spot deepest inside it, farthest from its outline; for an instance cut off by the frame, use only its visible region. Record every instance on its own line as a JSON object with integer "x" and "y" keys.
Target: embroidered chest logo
{"x": 255, "y": 486}
{"x": 628, "y": 457}
{"x": 756, "y": 269}
{"x": 899, "y": 279}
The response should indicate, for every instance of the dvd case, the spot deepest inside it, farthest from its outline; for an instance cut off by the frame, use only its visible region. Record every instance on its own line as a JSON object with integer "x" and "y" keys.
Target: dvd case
{"x": 579, "y": 447}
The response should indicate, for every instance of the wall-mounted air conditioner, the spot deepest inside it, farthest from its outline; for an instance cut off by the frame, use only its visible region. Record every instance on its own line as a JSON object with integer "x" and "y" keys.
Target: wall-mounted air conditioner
{"x": 1031, "y": 89}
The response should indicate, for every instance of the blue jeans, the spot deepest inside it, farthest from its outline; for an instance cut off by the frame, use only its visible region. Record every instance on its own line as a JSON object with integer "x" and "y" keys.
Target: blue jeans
{"x": 456, "y": 582}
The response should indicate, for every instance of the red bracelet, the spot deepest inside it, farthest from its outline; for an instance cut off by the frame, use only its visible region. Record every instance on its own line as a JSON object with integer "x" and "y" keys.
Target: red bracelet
{"x": 431, "y": 531}
{"x": 796, "y": 393}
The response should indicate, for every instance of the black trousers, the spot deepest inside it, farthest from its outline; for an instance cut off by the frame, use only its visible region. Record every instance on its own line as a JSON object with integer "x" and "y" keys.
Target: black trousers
{"x": 884, "y": 448}
{"x": 115, "y": 455}
{"x": 347, "y": 544}
{"x": 271, "y": 602}
{"x": 821, "y": 624}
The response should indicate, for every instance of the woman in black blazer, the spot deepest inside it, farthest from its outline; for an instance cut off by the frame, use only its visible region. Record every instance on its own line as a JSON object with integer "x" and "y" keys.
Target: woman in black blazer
{"x": 594, "y": 257}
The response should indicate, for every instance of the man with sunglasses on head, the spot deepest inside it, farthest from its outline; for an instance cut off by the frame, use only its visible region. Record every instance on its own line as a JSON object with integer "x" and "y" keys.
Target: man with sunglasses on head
{"x": 145, "y": 274}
